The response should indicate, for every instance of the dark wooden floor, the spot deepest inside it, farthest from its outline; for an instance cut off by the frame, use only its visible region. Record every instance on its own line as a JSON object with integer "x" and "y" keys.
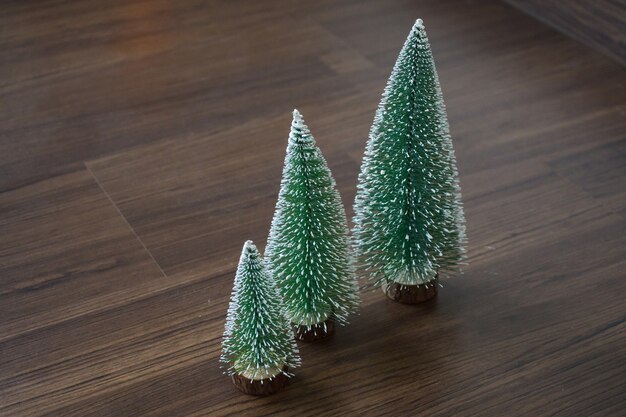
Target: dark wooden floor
{"x": 141, "y": 142}
{"x": 601, "y": 24}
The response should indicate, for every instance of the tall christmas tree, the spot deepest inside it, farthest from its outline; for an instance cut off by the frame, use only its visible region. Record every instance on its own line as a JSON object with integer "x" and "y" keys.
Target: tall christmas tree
{"x": 308, "y": 245}
{"x": 409, "y": 224}
{"x": 258, "y": 345}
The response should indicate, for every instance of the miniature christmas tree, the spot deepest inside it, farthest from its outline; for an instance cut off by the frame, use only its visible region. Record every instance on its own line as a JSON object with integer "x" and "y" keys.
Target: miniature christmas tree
{"x": 258, "y": 345}
{"x": 308, "y": 245}
{"x": 409, "y": 222}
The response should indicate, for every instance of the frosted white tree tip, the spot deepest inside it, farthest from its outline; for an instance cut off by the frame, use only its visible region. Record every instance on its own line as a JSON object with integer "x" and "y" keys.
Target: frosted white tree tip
{"x": 419, "y": 24}
{"x": 297, "y": 118}
{"x": 300, "y": 132}
{"x": 248, "y": 253}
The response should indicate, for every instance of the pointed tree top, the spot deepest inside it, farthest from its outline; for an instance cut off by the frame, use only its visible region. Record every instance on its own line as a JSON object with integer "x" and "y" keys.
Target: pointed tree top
{"x": 418, "y": 30}
{"x": 249, "y": 250}
{"x": 249, "y": 246}
{"x": 249, "y": 255}
{"x": 300, "y": 133}
{"x": 416, "y": 44}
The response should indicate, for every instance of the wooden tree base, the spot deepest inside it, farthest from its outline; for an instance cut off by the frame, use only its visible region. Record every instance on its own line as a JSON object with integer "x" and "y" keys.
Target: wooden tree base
{"x": 265, "y": 386}
{"x": 411, "y": 294}
{"x": 316, "y": 332}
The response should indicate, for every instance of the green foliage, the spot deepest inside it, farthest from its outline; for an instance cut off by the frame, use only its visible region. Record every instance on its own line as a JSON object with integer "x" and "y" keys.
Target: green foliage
{"x": 308, "y": 246}
{"x": 258, "y": 341}
{"x": 409, "y": 222}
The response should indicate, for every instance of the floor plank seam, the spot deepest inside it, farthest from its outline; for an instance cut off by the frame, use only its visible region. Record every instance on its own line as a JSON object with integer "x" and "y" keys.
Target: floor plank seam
{"x": 95, "y": 178}
{"x": 607, "y": 209}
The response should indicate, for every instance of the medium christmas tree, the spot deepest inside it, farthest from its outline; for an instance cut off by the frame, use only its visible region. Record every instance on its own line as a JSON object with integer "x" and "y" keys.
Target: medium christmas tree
{"x": 308, "y": 246}
{"x": 409, "y": 224}
{"x": 258, "y": 345}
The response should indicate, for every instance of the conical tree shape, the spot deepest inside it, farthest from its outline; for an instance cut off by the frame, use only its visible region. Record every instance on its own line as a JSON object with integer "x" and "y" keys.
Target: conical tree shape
{"x": 258, "y": 341}
{"x": 308, "y": 245}
{"x": 409, "y": 223}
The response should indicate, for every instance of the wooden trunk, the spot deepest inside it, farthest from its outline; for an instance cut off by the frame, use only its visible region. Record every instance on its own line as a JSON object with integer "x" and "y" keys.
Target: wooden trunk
{"x": 317, "y": 331}
{"x": 411, "y": 294}
{"x": 265, "y": 386}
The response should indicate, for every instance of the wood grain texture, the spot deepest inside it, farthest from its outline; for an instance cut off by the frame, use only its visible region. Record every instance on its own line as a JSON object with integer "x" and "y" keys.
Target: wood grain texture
{"x": 141, "y": 142}
{"x": 600, "y": 24}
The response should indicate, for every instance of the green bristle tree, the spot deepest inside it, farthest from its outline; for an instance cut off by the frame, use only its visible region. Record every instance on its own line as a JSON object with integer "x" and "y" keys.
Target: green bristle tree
{"x": 258, "y": 344}
{"x": 409, "y": 224}
{"x": 308, "y": 250}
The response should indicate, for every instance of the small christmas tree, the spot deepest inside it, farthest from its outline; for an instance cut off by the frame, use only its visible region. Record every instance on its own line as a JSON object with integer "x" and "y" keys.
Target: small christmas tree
{"x": 308, "y": 245}
{"x": 258, "y": 345}
{"x": 409, "y": 222}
